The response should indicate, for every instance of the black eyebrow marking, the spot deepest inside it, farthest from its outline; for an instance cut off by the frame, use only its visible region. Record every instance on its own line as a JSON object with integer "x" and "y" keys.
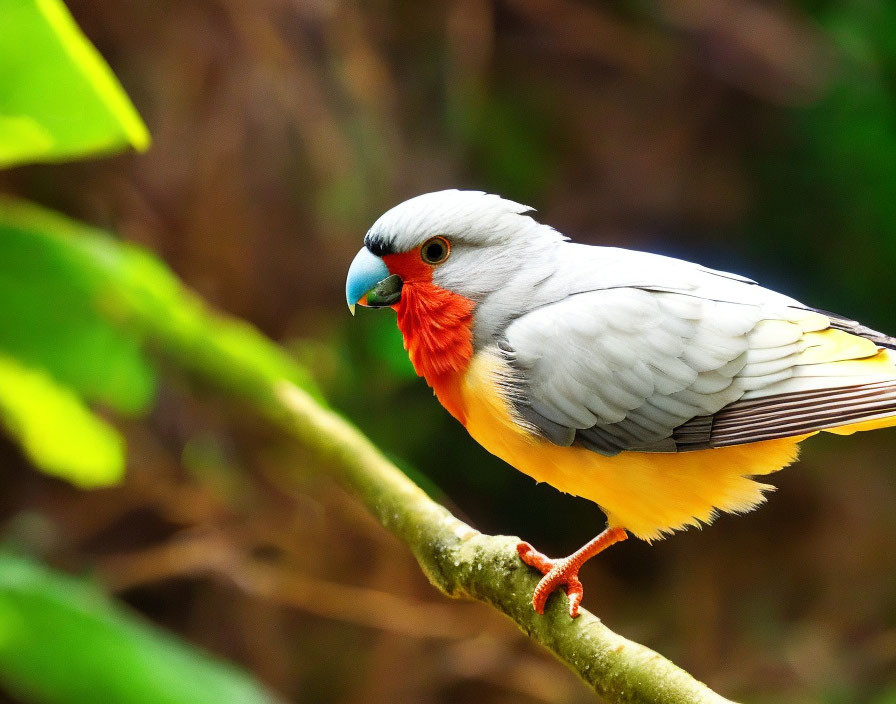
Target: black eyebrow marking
{"x": 377, "y": 246}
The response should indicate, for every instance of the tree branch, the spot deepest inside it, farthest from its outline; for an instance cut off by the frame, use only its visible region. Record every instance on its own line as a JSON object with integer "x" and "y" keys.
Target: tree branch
{"x": 234, "y": 358}
{"x": 464, "y": 563}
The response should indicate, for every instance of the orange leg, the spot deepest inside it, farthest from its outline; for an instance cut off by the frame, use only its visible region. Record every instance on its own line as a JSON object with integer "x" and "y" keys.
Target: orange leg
{"x": 565, "y": 572}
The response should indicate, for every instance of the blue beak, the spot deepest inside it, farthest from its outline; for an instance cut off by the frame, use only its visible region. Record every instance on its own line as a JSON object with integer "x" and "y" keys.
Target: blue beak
{"x": 369, "y": 276}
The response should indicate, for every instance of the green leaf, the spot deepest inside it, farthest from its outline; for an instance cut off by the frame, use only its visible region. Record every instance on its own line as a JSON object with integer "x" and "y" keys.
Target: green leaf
{"x": 64, "y": 642}
{"x": 58, "y": 433}
{"x": 58, "y": 97}
{"x": 80, "y": 304}
{"x": 56, "y": 312}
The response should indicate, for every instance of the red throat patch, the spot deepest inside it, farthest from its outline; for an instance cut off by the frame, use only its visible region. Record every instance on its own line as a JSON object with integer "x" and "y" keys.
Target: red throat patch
{"x": 437, "y": 328}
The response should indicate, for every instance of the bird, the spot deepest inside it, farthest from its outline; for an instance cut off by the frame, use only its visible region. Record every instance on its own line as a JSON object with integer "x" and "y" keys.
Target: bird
{"x": 657, "y": 388}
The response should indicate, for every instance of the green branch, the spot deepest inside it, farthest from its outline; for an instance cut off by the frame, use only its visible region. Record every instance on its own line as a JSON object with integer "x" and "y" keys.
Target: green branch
{"x": 464, "y": 563}
{"x": 145, "y": 299}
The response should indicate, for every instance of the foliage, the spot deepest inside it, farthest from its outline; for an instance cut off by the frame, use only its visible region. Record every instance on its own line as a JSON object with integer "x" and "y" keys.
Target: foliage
{"x": 56, "y": 431}
{"x": 61, "y": 345}
{"x": 59, "y": 98}
{"x": 49, "y": 288}
{"x": 63, "y": 642}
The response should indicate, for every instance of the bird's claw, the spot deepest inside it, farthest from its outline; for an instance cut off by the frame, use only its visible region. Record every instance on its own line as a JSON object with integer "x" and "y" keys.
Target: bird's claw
{"x": 557, "y": 573}
{"x": 533, "y": 558}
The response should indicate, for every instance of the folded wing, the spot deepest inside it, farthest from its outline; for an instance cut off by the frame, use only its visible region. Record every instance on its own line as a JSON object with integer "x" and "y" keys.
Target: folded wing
{"x": 632, "y": 368}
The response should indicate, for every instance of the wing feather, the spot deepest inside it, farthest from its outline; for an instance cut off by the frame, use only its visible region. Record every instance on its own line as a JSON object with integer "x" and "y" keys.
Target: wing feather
{"x": 644, "y": 369}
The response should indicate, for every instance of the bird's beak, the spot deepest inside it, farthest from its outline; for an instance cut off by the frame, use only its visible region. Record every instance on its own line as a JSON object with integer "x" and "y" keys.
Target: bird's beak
{"x": 370, "y": 284}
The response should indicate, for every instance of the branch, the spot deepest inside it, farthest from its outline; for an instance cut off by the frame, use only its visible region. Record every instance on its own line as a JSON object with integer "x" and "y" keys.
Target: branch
{"x": 462, "y": 562}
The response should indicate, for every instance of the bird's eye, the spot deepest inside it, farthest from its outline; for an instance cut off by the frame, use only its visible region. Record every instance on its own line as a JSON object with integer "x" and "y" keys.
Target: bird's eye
{"x": 435, "y": 250}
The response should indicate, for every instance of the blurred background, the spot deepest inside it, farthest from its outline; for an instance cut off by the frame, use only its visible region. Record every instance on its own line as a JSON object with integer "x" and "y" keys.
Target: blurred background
{"x": 756, "y": 137}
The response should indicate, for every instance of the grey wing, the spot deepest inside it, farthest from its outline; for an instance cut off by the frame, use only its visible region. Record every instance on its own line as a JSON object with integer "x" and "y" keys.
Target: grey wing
{"x": 628, "y": 368}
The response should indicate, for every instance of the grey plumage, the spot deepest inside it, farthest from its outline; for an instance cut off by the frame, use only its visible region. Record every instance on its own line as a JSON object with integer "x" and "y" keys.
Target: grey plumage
{"x": 615, "y": 350}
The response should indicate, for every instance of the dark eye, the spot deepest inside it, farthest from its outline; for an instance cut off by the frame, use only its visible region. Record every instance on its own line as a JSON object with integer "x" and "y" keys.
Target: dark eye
{"x": 435, "y": 250}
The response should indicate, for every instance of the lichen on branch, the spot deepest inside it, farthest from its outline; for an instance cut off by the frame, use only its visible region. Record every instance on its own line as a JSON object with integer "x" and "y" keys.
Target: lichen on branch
{"x": 464, "y": 563}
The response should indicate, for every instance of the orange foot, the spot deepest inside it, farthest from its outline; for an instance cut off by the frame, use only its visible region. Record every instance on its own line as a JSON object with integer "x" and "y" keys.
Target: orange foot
{"x": 565, "y": 572}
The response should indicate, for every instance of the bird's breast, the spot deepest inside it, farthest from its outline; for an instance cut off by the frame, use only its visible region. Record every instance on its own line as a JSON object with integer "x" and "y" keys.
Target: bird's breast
{"x": 436, "y": 325}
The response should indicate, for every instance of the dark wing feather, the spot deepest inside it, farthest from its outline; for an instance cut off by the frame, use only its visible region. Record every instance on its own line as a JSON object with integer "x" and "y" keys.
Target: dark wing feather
{"x": 787, "y": 415}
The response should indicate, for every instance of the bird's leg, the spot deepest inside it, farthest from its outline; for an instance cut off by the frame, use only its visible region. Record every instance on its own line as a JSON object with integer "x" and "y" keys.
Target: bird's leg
{"x": 565, "y": 572}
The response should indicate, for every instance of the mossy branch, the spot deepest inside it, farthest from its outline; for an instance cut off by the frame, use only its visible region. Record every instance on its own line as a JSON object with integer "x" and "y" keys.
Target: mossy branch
{"x": 462, "y": 562}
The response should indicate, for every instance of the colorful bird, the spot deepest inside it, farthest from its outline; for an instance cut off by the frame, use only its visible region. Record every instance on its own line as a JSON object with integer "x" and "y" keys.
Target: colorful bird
{"x": 655, "y": 387}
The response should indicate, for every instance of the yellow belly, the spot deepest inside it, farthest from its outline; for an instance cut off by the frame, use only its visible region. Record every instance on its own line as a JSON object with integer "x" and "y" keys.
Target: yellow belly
{"x": 646, "y": 493}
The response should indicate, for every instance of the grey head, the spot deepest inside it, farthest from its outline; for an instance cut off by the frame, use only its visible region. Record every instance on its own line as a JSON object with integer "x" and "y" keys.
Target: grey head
{"x": 498, "y": 253}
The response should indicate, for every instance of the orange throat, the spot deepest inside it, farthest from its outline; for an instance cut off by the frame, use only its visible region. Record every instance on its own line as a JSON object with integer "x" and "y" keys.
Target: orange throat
{"x": 437, "y": 328}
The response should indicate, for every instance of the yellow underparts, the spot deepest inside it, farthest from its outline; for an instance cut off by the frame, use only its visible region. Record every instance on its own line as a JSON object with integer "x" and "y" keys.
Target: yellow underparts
{"x": 648, "y": 494}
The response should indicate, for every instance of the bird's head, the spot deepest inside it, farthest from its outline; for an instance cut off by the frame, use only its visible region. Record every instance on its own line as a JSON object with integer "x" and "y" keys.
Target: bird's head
{"x": 467, "y": 243}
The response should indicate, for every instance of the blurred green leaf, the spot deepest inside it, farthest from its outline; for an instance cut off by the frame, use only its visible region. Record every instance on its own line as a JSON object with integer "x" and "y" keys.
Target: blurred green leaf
{"x": 64, "y": 642}
{"x": 58, "y": 433}
{"x": 78, "y": 306}
{"x": 58, "y": 97}
{"x": 55, "y": 312}
{"x": 83, "y": 303}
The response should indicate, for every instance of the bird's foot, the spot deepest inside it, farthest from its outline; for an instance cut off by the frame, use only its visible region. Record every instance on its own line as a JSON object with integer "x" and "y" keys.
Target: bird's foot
{"x": 557, "y": 573}
{"x": 565, "y": 572}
